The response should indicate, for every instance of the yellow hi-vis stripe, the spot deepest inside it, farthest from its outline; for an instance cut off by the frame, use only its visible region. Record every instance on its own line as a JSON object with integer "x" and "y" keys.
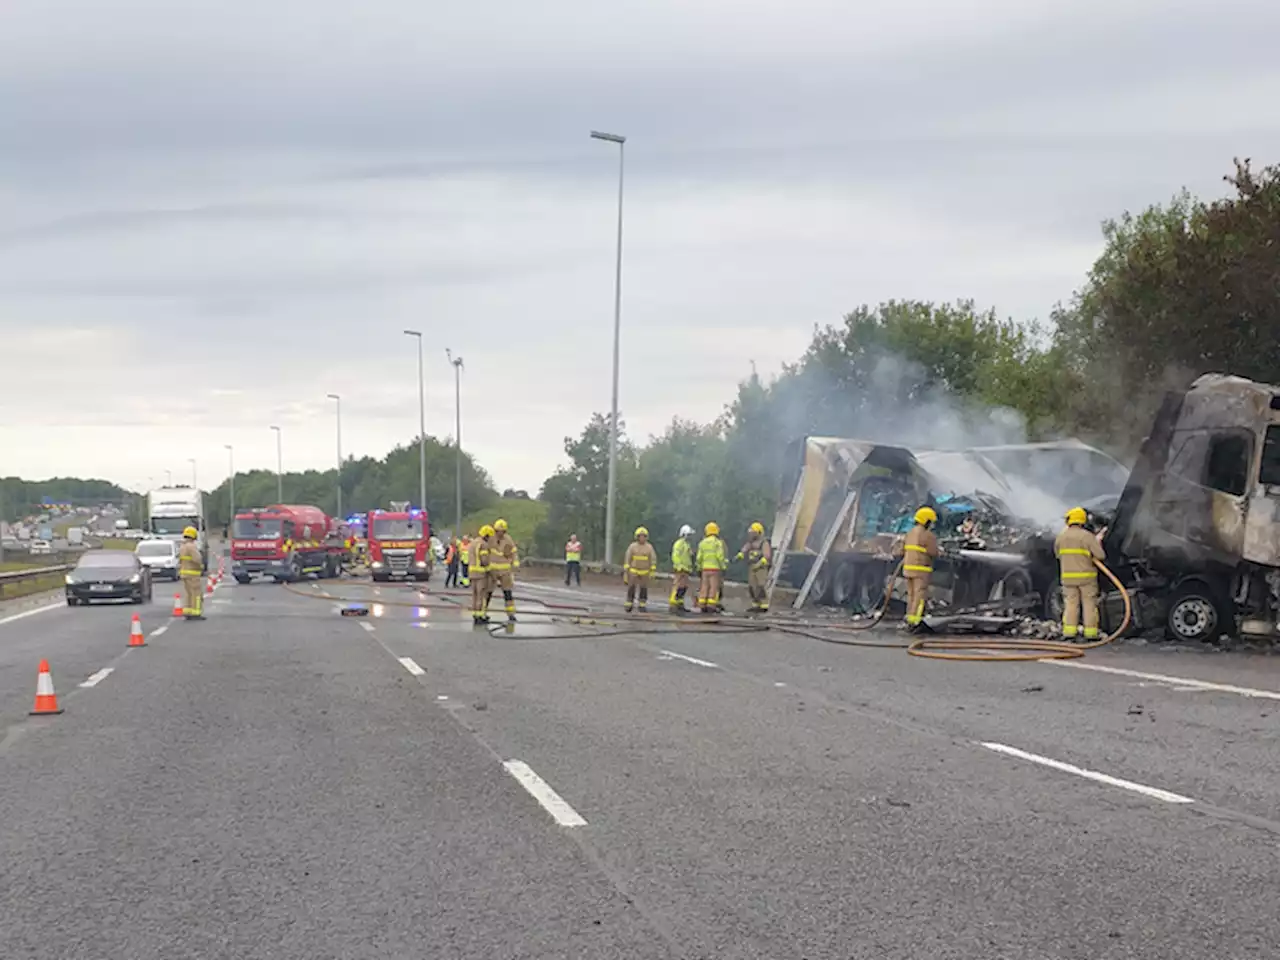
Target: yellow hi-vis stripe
{"x": 1072, "y": 576}
{"x": 1074, "y": 552}
{"x": 917, "y": 569}
{"x": 916, "y": 546}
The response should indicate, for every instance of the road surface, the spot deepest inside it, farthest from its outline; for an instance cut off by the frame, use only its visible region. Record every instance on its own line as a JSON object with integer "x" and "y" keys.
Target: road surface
{"x": 284, "y": 782}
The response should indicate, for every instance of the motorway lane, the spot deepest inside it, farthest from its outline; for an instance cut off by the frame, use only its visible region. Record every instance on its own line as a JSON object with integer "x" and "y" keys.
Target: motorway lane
{"x": 275, "y": 783}
{"x": 77, "y": 641}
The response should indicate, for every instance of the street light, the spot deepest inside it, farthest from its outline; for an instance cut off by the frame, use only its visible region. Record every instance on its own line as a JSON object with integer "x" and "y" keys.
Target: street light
{"x": 338, "y": 400}
{"x": 168, "y": 478}
{"x": 617, "y": 332}
{"x": 194, "y": 484}
{"x": 457, "y": 434}
{"x": 231, "y": 476}
{"x": 279, "y": 467}
{"x": 422, "y": 425}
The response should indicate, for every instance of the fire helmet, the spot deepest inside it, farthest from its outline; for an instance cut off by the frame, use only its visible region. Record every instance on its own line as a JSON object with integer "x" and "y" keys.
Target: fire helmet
{"x": 500, "y": 525}
{"x": 712, "y": 529}
{"x": 190, "y": 533}
{"x": 926, "y": 515}
{"x": 1076, "y": 517}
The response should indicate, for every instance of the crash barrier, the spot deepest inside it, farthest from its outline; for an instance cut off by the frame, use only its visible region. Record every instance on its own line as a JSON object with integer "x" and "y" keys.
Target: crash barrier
{"x": 20, "y": 583}
{"x": 836, "y": 632}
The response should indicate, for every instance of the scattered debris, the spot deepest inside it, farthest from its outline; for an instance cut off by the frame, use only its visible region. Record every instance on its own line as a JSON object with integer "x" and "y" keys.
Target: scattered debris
{"x": 1034, "y": 688}
{"x": 1135, "y": 710}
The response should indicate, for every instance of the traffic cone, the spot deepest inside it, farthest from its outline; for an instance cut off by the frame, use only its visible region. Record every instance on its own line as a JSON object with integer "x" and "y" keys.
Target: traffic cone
{"x": 46, "y": 699}
{"x": 135, "y": 633}
{"x": 177, "y": 604}
{"x": 209, "y": 588}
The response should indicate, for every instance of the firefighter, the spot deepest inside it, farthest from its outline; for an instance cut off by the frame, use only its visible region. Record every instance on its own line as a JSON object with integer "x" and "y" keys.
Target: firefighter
{"x": 464, "y": 560}
{"x": 919, "y": 552}
{"x": 711, "y": 561}
{"x": 758, "y": 554}
{"x": 573, "y": 560}
{"x": 1077, "y": 548}
{"x": 682, "y": 564}
{"x": 451, "y": 562}
{"x": 191, "y": 573}
{"x": 638, "y": 567}
{"x": 481, "y": 552}
{"x": 502, "y": 566}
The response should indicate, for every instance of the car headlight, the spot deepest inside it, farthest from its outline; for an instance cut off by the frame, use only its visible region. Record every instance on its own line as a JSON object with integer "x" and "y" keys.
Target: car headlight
{"x": 70, "y": 579}
{"x": 422, "y": 563}
{"x": 376, "y": 564}
{"x": 136, "y": 578}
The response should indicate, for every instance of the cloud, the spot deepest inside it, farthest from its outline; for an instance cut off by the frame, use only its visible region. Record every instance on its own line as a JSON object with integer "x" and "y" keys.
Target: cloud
{"x": 216, "y": 214}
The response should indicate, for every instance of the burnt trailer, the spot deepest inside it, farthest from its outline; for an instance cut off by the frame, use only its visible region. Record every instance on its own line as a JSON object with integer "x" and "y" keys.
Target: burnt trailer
{"x": 1196, "y": 534}
{"x": 846, "y": 506}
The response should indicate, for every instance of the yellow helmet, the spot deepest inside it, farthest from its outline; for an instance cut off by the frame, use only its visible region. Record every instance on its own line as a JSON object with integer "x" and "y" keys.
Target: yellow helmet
{"x": 487, "y": 531}
{"x": 1076, "y": 517}
{"x": 500, "y": 525}
{"x": 757, "y": 527}
{"x": 190, "y": 534}
{"x": 712, "y": 529}
{"x": 926, "y": 515}
{"x": 642, "y": 531}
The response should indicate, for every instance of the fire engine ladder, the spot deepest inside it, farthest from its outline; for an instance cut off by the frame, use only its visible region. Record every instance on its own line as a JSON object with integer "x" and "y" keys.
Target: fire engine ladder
{"x": 782, "y": 538}
{"x": 827, "y": 544}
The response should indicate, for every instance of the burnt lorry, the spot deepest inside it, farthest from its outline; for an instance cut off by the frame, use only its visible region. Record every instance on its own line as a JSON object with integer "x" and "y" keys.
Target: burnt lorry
{"x": 1195, "y": 536}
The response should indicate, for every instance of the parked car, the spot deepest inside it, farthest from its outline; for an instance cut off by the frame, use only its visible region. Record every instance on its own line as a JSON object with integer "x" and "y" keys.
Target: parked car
{"x": 160, "y": 556}
{"x": 108, "y": 575}
{"x": 40, "y": 546}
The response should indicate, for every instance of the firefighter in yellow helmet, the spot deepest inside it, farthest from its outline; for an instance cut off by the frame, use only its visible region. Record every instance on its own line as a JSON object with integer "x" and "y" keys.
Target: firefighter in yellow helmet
{"x": 758, "y": 554}
{"x": 638, "y": 567}
{"x": 1077, "y": 548}
{"x": 710, "y": 561}
{"x": 191, "y": 573}
{"x": 481, "y": 552}
{"x": 502, "y": 566}
{"x": 682, "y": 565}
{"x": 919, "y": 552}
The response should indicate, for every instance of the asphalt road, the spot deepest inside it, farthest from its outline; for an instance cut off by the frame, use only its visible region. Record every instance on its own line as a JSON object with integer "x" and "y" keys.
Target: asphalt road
{"x": 280, "y": 781}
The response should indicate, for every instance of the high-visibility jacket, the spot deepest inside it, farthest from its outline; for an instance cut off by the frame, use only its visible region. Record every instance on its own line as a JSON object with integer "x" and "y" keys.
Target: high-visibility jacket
{"x": 682, "y": 556}
{"x": 573, "y": 551}
{"x": 481, "y": 552}
{"x": 757, "y": 552}
{"x": 504, "y": 556}
{"x": 641, "y": 559}
{"x": 450, "y": 554}
{"x": 466, "y": 550}
{"x": 190, "y": 563}
{"x": 919, "y": 551}
{"x": 1077, "y": 548}
{"x": 711, "y": 554}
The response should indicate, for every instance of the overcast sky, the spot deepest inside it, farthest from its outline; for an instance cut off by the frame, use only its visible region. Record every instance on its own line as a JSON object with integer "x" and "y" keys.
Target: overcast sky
{"x": 213, "y": 213}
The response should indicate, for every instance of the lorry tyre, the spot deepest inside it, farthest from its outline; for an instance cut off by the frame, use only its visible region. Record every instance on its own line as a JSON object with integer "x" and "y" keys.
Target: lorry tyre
{"x": 820, "y": 593}
{"x": 843, "y": 583}
{"x": 1197, "y": 613}
{"x": 241, "y": 578}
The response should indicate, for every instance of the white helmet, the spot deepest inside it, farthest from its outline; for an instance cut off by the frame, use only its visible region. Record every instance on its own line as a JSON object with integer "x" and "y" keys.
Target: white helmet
{"x": 686, "y": 530}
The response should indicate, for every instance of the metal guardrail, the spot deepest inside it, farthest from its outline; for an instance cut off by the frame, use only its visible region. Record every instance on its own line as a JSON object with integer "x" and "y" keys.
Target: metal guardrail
{"x": 16, "y": 577}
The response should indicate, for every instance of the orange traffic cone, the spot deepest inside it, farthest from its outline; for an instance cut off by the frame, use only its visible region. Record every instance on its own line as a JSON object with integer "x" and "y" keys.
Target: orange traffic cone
{"x": 46, "y": 699}
{"x": 135, "y": 633}
{"x": 209, "y": 588}
{"x": 177, "y": 604}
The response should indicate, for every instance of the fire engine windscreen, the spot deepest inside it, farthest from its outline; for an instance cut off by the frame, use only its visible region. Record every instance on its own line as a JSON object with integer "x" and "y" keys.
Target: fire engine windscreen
{"x": 387, "y": 528}
{"x": 249, "y": 528}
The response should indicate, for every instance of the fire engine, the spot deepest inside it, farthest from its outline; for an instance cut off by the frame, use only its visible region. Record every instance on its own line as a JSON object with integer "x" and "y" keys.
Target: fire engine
{"x": 399, "y": 543}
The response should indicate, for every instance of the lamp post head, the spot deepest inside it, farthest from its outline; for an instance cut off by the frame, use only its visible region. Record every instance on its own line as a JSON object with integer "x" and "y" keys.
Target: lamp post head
{"x": 611, "y": 137}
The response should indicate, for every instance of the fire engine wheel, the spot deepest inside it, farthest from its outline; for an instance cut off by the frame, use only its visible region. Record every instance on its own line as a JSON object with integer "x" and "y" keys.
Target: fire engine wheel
{"x": 843, "y": 587}
{"x": 242, "y": 579}
{"x": 1196, "y": 615}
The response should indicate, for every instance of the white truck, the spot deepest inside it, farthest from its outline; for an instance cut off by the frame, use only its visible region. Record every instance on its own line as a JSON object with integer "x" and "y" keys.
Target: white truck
{"x": 170, "y": 510}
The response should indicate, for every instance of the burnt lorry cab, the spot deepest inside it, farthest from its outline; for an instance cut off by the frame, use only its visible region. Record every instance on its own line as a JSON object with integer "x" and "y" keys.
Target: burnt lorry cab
{"x": 1196, "y": 534}
{"x": 847, "y": 504}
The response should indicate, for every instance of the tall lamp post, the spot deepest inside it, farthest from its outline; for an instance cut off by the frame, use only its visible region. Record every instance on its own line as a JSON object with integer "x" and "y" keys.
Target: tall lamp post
{"x": 231, "y": 480}
{"x": 617, "y": 331}
{"x": 338, "y": 401}
{"x": 422, "y": 424}
{"x": 279, "y": 467}
{"x": 457, "y": 435}
{"x": 195, "y": 484}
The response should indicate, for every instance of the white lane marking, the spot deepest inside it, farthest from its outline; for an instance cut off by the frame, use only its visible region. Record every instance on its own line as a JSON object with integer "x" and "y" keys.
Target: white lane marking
{"x": 681, "y": 656}
{"x": 779, "y": 684}
{"x": 1153, "y": 792}
{"x": 96, "y": 678}
{"x": 32, "y": 613}
{"x": 159, "y": 631}
{"x": 541, "y": 791}
{"x": 442, "y": 697}
{"x": 412, "y": 666}
{"x": 367, "y": 626}
{"x": 1185, "y": 683}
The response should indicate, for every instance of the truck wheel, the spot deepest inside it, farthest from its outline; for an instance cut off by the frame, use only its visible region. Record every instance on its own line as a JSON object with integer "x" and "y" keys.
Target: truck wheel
{"x": 820, "y": 593}
{"x": 843, "y": 583}
{"x": 241, "y": 579}
{"x": 1197, "y": 614}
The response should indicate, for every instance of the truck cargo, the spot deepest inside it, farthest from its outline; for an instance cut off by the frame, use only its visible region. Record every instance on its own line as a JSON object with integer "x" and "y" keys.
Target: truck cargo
{"x": 170, "y": 510}
{"x": 286, "y": 542}
{"x": 399, "y": 544}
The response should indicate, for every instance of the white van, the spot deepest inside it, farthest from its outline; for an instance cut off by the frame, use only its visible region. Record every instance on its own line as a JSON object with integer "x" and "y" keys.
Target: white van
{"x": 161, "y": 556}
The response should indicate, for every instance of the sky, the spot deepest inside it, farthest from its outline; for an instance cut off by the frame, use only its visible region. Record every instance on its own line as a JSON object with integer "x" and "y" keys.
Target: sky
{"x": 214, "y": 213}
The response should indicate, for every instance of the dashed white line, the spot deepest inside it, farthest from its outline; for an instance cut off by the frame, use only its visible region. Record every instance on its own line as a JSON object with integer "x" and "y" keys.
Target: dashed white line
{"x": 159, "y": 631}
{"x": 412, "y": 666}
{"x": 541, "y": 791}
{"x": 96, "y": 678}
{"x": 32, "y": 613}
{"x": 367, "y": 626}
{"x": 1153, "y": 792}
{"x": 687, "y": 659}
{"x": 1184, "y": 682}
{"x": 442, "y": 697}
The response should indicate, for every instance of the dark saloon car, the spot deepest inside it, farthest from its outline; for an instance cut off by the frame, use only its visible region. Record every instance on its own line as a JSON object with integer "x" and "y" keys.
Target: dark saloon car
{"x": 108, "y": 575}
